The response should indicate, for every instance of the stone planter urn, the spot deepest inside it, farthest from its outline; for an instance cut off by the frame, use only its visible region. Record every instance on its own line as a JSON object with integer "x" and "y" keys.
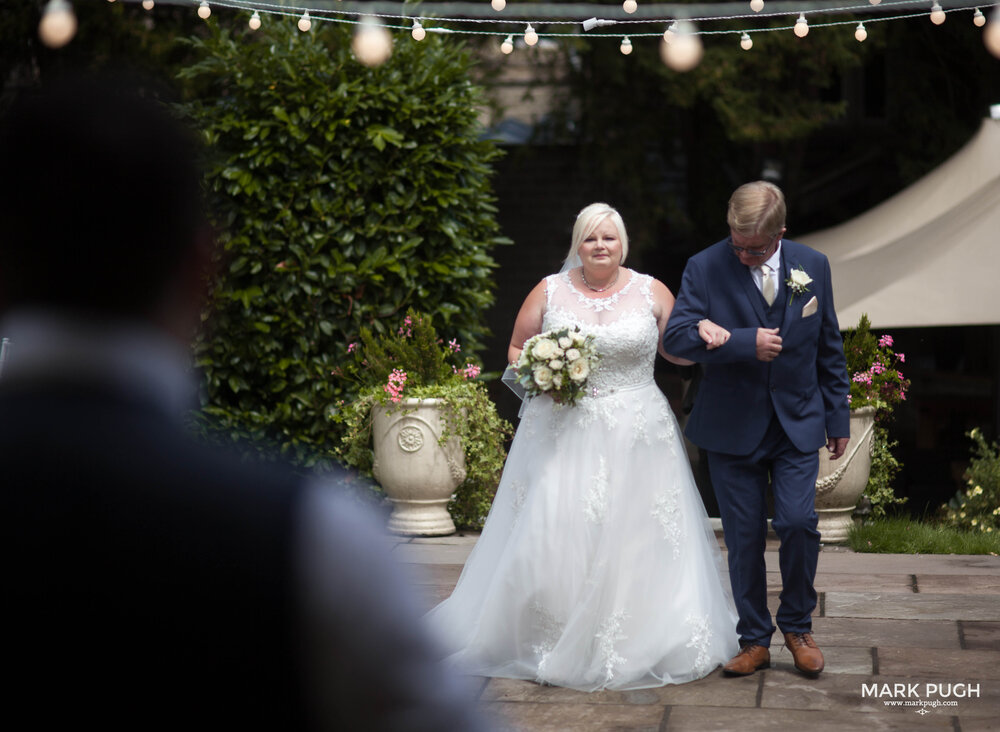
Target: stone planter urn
{"x": 840, "y": 483}
{"x": 417, "y": 473}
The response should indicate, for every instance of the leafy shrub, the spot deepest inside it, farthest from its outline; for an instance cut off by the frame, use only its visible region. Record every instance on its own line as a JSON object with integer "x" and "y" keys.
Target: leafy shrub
{"x": 977, "y": 508}
{"x": 342, "y": 195}
{"x": 413, "y": 362}
{"x": 876, "y": 381}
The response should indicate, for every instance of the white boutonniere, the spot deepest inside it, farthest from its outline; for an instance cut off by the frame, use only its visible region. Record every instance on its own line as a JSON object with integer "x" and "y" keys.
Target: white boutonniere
{"x": 797, "y": 283}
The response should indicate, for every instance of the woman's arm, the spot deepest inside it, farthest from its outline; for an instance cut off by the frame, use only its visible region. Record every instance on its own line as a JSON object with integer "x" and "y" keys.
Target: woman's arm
{"x": 528, "y": 322}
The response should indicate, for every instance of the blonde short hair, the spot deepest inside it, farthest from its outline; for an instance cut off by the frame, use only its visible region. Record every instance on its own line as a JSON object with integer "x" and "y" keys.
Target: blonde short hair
{"x": 589, "y": 219}
{"x": 756, "y": 208}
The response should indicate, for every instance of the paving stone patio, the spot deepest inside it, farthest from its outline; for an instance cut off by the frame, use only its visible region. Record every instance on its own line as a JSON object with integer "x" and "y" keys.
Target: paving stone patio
{"x": 928, "y": 623}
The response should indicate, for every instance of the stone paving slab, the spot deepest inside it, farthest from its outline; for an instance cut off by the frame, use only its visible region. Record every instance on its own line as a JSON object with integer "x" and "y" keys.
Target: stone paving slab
{"x": 976, "y": 584}
{"x": 702, "y": 719}
{"x": 954, "y": 665}
{"x": 910, "y": 606}
{"x": 981, "y": 636}
{"x": 838, "y": 660}
{"x": 574, "y": 717}
{"x": 947, "y": 564}
{"x": 869, "y": 632}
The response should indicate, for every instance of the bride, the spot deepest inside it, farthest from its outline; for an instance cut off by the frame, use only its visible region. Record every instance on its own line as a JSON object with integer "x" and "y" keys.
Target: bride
{"x": 597, "y": 567}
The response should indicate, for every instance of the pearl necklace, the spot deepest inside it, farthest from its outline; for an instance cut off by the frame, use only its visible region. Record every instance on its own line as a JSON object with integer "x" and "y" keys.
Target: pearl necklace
{"x": 608, "y": 286}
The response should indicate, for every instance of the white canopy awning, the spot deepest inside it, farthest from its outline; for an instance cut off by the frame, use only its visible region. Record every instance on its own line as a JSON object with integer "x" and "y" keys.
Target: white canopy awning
{"x": 930, "y": 255}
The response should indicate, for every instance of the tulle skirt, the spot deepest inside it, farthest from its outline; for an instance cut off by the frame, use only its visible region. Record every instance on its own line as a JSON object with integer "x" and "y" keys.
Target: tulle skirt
{"x": 597, "y": 567}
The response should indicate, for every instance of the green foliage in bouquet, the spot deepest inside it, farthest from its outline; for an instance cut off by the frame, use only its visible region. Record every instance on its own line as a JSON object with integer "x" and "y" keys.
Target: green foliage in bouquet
{"x": 412, "y": 361}
{"x": 977, "y": 508}
{"x": 876, "y": 381}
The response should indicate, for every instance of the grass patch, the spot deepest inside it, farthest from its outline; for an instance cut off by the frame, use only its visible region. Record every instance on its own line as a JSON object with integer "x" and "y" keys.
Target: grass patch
{"x": 907, "y": 536}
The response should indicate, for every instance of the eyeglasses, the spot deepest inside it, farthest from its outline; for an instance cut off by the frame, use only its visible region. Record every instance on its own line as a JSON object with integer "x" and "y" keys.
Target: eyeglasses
{"x": 752, "y": 252}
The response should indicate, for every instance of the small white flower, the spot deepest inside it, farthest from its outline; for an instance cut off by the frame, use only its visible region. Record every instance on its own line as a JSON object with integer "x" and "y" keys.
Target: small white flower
{"x": 800, "y": 278}
{"x": 565, "y": 342}
{"x": 572, "y": 354}
{"x": 544, "y": 349}
{"x": 578, "y": 338}
{"x": 555, "y": 364}
{"x": 557, "y": 381}
{"x": 559, "y": 353}
{"x": 543, "y": 377}
{"x": 579, "y": 369}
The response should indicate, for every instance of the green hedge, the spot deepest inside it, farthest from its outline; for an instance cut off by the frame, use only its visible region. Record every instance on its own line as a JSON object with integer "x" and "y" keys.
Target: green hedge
{"x": 343, "y": 195}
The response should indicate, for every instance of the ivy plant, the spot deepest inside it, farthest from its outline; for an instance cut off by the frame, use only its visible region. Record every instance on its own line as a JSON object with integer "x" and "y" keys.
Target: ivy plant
{"x": 342, "y": 196}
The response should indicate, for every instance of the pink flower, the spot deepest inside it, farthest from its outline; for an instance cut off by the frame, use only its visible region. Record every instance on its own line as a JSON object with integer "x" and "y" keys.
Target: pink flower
{"x": 397, "y": 380}
{"x": 471, "y": 371}
{"x": 877, "y": 368}
{"x": 901, "y": 357}
{"x": 453, "y": 345}
{"x": 352, "y": 346}
{"x": 885, "y": 341}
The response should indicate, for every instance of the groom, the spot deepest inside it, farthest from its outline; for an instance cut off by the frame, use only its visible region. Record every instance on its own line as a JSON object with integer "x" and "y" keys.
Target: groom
{"x": 774, "y": 391}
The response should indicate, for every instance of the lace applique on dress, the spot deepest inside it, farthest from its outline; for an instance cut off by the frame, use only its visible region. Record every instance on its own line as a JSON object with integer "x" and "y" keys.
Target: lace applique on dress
{"x": 701, "y": 636}
{"x": 595, "y": 502}
{"x": 549, "y": 629}
{"x": 666, "y": 510}
{"x": 520, "y": 493}
{"x": 608, "y": 634}
{"x": 639, "y": 433}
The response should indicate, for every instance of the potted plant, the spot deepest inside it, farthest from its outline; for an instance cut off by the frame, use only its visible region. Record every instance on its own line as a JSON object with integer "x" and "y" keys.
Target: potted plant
{"x": 424, "y": 426}
{"x": 868, "y": 466}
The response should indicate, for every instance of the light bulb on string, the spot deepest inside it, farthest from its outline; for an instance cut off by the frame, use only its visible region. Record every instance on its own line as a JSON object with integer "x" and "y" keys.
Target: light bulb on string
{"x": 58, "y": 24}
{"x": 630, "y": 6}
{"x": 756, "y": 5}
{"x": 991, "y": 33}
{"x": 148, "y": 4}
{"x": 508, "y": 45}
{"x": 530, "y": 37}
{"x": 305, "y": 23}
{"x": 801, "y": 28}
{"x": 372, "y": 43}
{"x": 978, "y": 18}
{"x": 204, "y": 11}
{"x": 684, "y": 52}
{"x": 498, "y": 5}
{"x": 937, "y": 14}
{"x": 626, "y": 47}
{"x": 746, "y": 42}
{"x": 254, "y": 21}
{"x": 417, "y": 31}
{"x": 670, "y": 33}
{"x": 860, "y": 33}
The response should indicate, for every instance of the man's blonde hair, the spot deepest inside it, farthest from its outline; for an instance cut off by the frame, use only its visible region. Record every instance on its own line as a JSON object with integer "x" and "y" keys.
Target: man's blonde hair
{"x": 756, "y": 208}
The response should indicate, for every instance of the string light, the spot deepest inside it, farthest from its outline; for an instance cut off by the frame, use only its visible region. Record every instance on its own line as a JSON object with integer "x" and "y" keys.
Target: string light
{"x": 978, "y": 18}
{"x": 991, "y": 34}
{"x": 530, "y": 37}
{"x": 801, "y": 28}
{"x": 58, "y": 24}
{"x": 372, "y": 43}
{"x": 417, "y": 31}
{"x": 626, "y": 47}
{"x": 148, "y": 4}
{"x": 756, "y": 5}
{"x": 204, "y": 11}
{"x": 630, "y": 6}
{"x": 508, "y": 45}
{"x": 670, "y": 32}
{"x": 305, "y": 23}
{"x": 254, "y": 21}
{"x": 498, "y": 5}
{"x": 860, "y": 33}
{"x": 746, "y": 42}
{"x": 937, "y": 14}
{"x": 685, "y": 51}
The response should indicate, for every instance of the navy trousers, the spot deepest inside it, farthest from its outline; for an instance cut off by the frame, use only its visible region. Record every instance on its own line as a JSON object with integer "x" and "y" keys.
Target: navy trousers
{"x": 740, "y": 483}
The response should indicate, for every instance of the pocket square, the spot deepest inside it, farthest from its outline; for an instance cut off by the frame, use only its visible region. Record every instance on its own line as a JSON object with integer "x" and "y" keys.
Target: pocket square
{"x": 810, "y": 307}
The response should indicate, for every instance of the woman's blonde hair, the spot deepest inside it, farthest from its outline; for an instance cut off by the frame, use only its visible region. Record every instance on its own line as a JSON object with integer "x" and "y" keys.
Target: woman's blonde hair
{"x": 756, "y": 208}
{"x": 589, "y": 219}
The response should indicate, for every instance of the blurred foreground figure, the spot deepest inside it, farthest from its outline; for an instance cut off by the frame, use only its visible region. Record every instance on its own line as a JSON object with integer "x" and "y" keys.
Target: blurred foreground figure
{"x": 151, "y": 582}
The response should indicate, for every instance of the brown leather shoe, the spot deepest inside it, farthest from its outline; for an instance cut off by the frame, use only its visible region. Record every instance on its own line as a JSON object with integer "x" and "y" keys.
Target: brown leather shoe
{"x": 750, "y": 658}
{"x": 808, "y": 656}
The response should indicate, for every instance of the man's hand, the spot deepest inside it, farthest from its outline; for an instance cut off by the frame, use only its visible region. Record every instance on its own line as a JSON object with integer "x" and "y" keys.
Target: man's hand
{"x": 713, "y": 335}
{"x": 837, "y": 446}
{"x": 768, "y": 344}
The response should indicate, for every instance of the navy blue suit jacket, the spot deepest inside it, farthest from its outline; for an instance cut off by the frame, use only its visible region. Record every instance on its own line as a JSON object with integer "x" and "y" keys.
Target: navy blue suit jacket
{"x": 806, "y": 385}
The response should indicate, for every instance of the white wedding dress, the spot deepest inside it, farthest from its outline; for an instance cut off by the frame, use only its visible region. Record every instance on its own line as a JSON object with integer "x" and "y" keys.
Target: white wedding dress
{"x": 597, "y": 567}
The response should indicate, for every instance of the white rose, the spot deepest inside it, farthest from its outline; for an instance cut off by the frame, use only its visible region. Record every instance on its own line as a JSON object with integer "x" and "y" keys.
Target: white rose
{"x": 559, "y": 353}
{"x": 543, "y": 377}
{"x": 572, "y": 354}
{"x": 557, "y": 381}
{"x": 579, "y": 369}
{"x": 565, "y": 342}
{"x": 544, "y": 349}
{"x": 800, "y": 278}
{"x": 555, "y": 364}
{"x": 578, "y": 338}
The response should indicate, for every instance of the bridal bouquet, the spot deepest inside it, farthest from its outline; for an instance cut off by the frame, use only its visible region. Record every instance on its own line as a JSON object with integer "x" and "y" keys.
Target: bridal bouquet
{"x": 558, "y": 363}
